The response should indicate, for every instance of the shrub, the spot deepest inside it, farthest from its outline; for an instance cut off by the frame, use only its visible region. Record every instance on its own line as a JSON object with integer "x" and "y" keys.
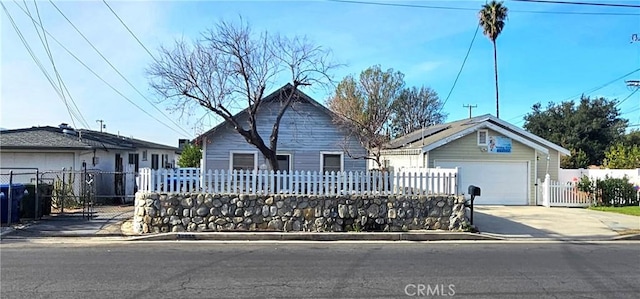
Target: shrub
{"x": 610, "y": 191}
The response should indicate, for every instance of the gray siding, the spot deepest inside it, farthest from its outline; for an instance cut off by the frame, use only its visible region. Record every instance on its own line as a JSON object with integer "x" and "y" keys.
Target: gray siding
{"x": 305, "y": 132}
{"x": 467, "y": 149}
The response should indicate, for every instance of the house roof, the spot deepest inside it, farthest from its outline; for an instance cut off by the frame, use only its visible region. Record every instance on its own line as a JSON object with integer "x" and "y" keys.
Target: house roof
{"x": 274, "y": 96}
{"x": 434, "y": 136}
{"x": 48, "y": 137}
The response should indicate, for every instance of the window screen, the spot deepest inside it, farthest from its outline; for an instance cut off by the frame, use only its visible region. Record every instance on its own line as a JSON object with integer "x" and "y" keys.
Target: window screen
{"x": 243, "y": 161}
{"x": 331, "y": 162}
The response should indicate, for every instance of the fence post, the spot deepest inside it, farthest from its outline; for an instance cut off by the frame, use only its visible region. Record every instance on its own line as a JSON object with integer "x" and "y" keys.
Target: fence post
{"x": 37, "y": 195}
{"x": 9, "y": 198}
{"x": 63, "y": 192}
{"x": 546, "y": 191}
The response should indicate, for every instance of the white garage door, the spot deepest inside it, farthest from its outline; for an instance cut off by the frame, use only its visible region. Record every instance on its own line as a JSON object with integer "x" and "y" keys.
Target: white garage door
{"x": 42, "y": 161}
{"x": 501, "y": 183}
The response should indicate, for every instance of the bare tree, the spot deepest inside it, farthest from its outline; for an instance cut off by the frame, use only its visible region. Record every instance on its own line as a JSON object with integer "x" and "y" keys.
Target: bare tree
{"x": 415, "y": 109}
{"x": 364, "y": 107}
{"x": 230, "y": 67}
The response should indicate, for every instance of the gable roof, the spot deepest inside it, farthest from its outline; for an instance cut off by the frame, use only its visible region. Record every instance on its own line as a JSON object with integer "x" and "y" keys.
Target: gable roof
{"x": 272, "y": 97}
{"x": 435, "y": 136}
{"x": 48, "y": 137}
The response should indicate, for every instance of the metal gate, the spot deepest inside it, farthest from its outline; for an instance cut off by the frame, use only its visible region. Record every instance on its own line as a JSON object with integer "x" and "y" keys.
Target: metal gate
{"x": 87, "y": 193}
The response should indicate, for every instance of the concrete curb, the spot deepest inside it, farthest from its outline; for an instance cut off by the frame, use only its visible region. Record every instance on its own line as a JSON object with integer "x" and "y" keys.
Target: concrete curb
{"x": 325, "y": 236}
{"x": 632, "y": 237}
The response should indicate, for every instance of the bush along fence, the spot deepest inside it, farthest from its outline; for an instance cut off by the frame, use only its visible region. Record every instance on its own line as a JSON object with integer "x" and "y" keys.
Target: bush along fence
{"x": 429, "y": 181}
{"x": 589, "y": 192}
{"x": 611, "y": 191}
{"x": 200, "y": 212}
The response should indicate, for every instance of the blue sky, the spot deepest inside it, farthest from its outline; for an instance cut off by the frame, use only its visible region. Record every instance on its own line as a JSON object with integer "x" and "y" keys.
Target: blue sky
{"x": 545, "y": 56}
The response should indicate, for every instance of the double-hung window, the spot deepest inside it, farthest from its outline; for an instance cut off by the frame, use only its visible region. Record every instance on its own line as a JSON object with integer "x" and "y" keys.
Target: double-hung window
{"x": 331, "y": 161}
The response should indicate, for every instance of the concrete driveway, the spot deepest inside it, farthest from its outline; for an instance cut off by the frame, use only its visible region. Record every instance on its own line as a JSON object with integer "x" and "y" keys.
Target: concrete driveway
{"x": 519, "y": 222}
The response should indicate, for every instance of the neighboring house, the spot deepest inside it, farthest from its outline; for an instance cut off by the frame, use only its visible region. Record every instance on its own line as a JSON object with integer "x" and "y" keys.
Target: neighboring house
{"x": 51, "y": 149}
{"x": 505, "y": 161}
{"x": 308, "y": 140}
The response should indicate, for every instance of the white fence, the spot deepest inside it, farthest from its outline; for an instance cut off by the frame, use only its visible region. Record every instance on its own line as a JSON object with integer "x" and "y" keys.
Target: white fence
{"x": 438, "y": 181}
{"x": 572, "y": 175}
{"x": 558, "y": 194}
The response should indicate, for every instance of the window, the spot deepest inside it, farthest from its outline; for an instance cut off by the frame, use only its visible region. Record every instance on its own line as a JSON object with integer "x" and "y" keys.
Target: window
{"x": 284, "y": 162}
{"x": 154, "y": 161}
{"x": 144, "y": 155}
{"x": 482, "y": 137}
{"x": 134, "y": 159}
{"x": 331, "y": 162}
{"x": 245, "y": 161}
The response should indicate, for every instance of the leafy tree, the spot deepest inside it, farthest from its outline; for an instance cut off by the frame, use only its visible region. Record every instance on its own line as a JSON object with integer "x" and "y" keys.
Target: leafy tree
{"x": 231, "y": 66}
{"x": 632, "y": 138}
{"x": 363, "y": 107}
{"x": 622, "y": 156}
{"x": 414, "y": 109}
{"x": 491, "y": 18}
{"x": 577, "y": 159}
{"x": 190, "y": 156}
{"x": 591, "y": 127}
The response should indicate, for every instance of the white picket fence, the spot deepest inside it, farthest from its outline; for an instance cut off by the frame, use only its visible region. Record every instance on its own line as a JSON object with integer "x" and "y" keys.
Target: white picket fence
{"x": 440, "y": 181}
{"x": 557, "y": 194}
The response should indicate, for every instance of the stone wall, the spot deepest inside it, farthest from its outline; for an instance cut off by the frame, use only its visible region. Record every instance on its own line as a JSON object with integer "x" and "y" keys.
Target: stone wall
{"x": 155, "y": 213}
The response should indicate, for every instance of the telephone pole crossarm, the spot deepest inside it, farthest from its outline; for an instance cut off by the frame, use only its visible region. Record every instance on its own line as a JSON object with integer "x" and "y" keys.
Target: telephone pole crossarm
{"x": 470, "y": 107}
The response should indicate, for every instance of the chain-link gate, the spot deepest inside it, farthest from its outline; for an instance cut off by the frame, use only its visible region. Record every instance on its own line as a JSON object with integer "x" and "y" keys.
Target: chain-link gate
{"x": 88, "y": 193}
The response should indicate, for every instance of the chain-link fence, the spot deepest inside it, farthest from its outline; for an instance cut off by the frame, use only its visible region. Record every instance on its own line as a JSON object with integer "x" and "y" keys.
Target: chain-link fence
{"x": 89, "y": 193}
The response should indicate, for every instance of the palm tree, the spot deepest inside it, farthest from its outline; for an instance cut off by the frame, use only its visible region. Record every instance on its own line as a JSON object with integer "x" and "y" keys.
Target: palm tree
{"x": 492, "y": 16}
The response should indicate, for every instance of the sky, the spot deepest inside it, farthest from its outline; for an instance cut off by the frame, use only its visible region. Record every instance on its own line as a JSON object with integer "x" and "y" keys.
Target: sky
{"x": 546, "y": 52}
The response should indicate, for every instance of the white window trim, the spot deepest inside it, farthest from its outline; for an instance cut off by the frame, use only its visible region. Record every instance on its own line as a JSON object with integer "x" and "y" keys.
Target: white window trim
{"x": 255, "y": 158}
{"x": 290, "y": 160}
{"x": 332, "y": 153}
{"x": 486, "y": 139}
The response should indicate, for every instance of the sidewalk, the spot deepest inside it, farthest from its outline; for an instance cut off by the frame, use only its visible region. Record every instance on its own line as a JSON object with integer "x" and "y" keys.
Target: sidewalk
{"x": 494, "y": 222}
{"x": 535, "y": 222}
{"x": 72, "y": 224}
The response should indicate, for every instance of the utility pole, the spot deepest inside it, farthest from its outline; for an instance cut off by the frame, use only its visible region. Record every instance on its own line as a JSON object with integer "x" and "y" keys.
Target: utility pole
{"x": 470, "y": 107}
{"x": 102, "y": 125}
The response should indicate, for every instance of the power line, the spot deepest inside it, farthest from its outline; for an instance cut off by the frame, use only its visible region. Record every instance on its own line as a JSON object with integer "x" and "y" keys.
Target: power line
{"x": 127, "y": 27}
{"x": 37, "y": 61}
{"x": 603, "y": 85}
{"x": 620, "y": 103}
{"x": 476, "y": 9}
{"x": 114, "y": 68}
{"x": 103, "y": 80}
{"x": 580, "y": 3}
{"x": 63, "y": 87}
{"x": 516, "y": 117}
{"x": 461, "y": 67}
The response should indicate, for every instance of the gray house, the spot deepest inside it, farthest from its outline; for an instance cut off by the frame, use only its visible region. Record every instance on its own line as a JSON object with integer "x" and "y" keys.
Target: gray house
{"x": 308, "y": 140}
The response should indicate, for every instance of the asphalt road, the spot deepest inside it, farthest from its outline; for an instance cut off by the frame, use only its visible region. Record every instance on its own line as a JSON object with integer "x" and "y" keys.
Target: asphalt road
{"x": 183, "y": 269}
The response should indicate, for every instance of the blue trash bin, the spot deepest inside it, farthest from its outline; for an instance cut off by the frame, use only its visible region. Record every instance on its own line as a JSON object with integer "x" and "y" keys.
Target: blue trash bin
{"x": 17, "y": 191}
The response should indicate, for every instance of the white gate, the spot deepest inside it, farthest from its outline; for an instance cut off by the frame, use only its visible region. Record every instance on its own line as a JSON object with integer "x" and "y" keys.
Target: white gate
{"x": 556, "y": 194}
